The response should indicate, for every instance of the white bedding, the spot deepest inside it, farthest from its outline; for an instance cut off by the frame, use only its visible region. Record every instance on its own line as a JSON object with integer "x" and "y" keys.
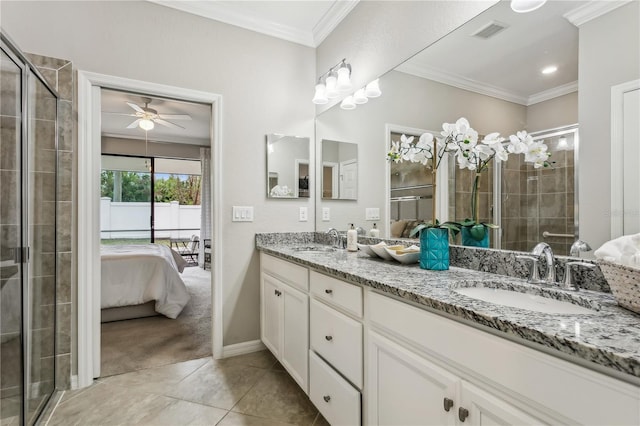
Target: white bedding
{"x": 136, "y": 274}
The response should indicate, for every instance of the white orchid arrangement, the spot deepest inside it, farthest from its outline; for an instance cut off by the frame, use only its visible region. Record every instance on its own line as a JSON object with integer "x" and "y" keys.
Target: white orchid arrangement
{"x": 462, "y": 141}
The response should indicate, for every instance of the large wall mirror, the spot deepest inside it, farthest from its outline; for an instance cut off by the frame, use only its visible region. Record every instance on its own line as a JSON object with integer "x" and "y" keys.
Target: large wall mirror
{"x": 287, "y": 166}
{"x": 339, "y": 170}
{"x": 489, "y": 71}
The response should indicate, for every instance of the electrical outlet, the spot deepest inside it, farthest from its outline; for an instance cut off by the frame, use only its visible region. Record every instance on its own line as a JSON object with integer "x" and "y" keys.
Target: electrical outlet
{"x": 372, "y": 213}
{"x": 303, "y": 214}
{"x": 326, "y": 214}
{"x": 242, "y": 214}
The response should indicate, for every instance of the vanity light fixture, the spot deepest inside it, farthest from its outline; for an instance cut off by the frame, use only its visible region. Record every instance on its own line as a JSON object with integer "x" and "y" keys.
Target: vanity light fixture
{"x": 549, "y": 70}
{"x": 373, "y": 89}
{"x": 336, "y": 81}
{"x": 359, "y": 97}
{"x": 348, "y": 103}
{"x": 524, "y": 6}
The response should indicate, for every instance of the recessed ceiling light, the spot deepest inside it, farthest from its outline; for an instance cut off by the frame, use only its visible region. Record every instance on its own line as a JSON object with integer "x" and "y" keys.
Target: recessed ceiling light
{"x": 550, "y": 69}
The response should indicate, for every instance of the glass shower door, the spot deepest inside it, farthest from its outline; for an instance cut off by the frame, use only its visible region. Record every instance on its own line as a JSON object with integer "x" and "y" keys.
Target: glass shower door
{"x": 11, "y": 383}
{"x": 41, "y": 167}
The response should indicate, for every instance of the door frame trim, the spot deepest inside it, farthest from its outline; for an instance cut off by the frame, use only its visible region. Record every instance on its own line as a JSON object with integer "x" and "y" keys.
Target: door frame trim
{"x": 88, "y": 249}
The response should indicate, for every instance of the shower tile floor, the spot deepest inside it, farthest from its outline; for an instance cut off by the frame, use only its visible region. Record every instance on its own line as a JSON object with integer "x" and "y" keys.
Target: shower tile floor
{"x": 250, "y": 389}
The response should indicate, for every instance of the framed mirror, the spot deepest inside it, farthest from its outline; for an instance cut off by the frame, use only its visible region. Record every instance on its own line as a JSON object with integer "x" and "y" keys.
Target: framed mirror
{"x": 339, "y": 170}
{"x": 287, "y": 166}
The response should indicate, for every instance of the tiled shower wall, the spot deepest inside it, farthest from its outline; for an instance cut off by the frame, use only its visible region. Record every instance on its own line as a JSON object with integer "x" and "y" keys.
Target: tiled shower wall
{"x": 59, "y": 74}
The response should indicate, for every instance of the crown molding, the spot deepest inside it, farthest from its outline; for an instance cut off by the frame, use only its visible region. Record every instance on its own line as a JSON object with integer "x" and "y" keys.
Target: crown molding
{"x": 486, "y": 89}
{"x": 218, "y": 12}
{"x": 462, "y": 83}
{"x": 336, "y": 13}
{"x": 553, "y": 93}
{"x": 585, "y": 13}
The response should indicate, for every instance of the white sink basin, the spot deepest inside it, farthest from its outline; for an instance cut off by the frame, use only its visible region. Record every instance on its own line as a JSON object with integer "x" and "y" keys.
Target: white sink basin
{"x": 527, "y": 301}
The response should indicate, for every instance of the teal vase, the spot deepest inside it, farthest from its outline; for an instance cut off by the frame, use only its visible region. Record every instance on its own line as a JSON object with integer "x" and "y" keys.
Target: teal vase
{"x": 434, "y": 249}
{"x": 469, "y": 241}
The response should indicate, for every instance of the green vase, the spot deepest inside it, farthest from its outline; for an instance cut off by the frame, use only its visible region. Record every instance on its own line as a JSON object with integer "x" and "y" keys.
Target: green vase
{"x": 470, "y": 241}
{"x": 434, "y": 249}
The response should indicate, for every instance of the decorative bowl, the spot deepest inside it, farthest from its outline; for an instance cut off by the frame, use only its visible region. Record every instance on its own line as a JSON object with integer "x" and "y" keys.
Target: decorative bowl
{"x": 405, "y": 255}
{"x": 380, "y": 250}
{"x": 367, "y": 250}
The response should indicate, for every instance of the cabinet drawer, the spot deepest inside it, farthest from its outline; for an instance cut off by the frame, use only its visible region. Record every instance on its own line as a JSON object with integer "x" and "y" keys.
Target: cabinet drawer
{"x": 334, "y": 397}
{"x": 338, "y": 339}
{"x": 345, "y": 295}
{"x": 287, "y": 272}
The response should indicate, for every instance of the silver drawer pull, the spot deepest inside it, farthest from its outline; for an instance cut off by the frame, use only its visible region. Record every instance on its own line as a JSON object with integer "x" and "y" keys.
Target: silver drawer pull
{"x": 326, "y": 398}
{"x": 463, "y": 413}
{"x": 328, "y": 291}
{"x": 448, "y": 403}
{"x": 329, "y": 338}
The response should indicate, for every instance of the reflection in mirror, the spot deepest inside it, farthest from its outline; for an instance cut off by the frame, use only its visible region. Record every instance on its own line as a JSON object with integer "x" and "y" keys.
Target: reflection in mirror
{"x": 339, "y": 170}
{"x": 287, "y": 166}
{"x": 499, "y": 88}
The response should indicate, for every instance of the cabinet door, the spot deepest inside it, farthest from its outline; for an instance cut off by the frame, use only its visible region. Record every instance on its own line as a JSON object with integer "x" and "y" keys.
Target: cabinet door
{"x": 486, "y": 409}
{"x": 295, "y": 335}
{"x": 403, "y": 388}
{"x": 271, "y": 313}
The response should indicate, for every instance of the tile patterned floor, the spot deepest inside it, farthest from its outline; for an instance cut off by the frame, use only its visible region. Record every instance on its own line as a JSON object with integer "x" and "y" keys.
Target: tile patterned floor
{"x": 251, "y": 390}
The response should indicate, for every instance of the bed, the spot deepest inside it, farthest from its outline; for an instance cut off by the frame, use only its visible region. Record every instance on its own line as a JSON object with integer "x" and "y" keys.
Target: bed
{"x": 141, "y": 280}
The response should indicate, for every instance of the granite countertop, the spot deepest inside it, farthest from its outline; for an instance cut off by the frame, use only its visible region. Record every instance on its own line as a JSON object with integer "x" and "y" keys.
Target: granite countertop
{"x": 607, "y": 339}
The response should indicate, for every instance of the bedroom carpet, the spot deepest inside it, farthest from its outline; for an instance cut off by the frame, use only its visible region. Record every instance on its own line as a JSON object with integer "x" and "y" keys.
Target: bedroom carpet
{"x": 151, "y": 342}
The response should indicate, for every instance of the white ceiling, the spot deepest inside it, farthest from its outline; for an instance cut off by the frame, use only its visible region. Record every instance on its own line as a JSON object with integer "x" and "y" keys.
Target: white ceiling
{"x": 196, "y": 131}
{"x": 508, "y": 64}
{"x": 306, "y": 22}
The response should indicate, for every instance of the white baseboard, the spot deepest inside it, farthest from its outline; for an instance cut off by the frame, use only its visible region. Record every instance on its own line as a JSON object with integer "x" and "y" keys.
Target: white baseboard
{"x": 242, "y": 348}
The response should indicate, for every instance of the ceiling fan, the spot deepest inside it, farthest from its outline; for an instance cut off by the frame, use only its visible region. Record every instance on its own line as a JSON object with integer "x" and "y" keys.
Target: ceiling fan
{"x": 146, "y": 117}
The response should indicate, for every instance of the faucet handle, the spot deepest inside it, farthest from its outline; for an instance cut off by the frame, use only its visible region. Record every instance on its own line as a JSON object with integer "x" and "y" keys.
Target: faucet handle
{"x": 568, "y": 283}
{"x": 534, "y": 275}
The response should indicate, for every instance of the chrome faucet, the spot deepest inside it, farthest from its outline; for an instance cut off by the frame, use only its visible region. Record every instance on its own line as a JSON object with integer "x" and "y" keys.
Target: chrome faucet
{"x": 333, "y": 232}
{"x": 577, "y": 247}
{"x": 545, "y": 249}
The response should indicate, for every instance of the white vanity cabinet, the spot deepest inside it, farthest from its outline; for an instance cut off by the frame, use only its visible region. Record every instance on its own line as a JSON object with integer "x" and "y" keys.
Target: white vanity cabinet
{"x": 284, "y": 315}
{"x": 495, "y": 381}
{"x": 336, "y": 355}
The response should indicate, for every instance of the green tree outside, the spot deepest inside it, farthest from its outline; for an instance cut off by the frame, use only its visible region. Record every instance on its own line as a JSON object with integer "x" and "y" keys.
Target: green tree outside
{"x": 136, "y": 187}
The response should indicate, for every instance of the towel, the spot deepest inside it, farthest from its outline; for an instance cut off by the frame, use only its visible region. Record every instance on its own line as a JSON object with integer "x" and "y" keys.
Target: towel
{"x": 624, "y": 250}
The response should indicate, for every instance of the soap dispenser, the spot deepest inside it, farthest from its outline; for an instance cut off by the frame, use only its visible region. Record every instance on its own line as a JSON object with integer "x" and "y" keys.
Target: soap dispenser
{"x": 374, "y": 232}
{"x": 352, "y": 239}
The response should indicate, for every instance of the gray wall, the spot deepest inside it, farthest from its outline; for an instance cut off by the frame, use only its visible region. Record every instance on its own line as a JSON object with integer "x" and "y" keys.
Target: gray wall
{"x": 379, "y": 35}
{"x": 556, "y": 112}
{"x": 609, "y": 54}
{"x": 113, "y": 38}
{"x": 122, "y": 146}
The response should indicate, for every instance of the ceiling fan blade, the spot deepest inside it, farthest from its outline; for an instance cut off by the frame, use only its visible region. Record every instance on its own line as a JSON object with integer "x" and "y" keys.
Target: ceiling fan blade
{"x": 167, "y": 123}
{"x": 119, "y": 113}
{"x": 174, "y": 116}
{"x": 134, "y": 106}
{"x": 134, "y": 124}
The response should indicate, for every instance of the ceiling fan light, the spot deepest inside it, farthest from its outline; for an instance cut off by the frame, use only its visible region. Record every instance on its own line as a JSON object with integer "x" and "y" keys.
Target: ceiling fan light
{"x": 348, "y": 103}
{"x": 359, "y": 97}
{"x": 146, "y": 124}
{"x": 331, "y": 82}
{"x": 373, "y": 89}
{"x": 524, "y": 6}
{"x": 320, "y": 97}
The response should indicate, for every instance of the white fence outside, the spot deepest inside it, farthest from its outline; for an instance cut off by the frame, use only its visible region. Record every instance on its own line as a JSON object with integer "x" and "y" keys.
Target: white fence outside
{"x": 133, "y": 220}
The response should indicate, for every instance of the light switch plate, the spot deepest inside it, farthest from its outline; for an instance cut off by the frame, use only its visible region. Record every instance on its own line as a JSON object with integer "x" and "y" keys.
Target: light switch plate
{"x": 326, "y": 214}
{"x": 303, "y": 217}
{"x": 372, "y": 213}
{"x": 242, "y": 214}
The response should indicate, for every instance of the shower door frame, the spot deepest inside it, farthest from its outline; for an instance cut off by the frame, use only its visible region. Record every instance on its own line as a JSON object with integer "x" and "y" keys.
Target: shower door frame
{"x": 29, "y": 71}
{"x": 497, "y": 179}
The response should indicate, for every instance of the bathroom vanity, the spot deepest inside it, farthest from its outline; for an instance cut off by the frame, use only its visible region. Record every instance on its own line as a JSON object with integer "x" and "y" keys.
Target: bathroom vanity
{"x": 374, "y": 342}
